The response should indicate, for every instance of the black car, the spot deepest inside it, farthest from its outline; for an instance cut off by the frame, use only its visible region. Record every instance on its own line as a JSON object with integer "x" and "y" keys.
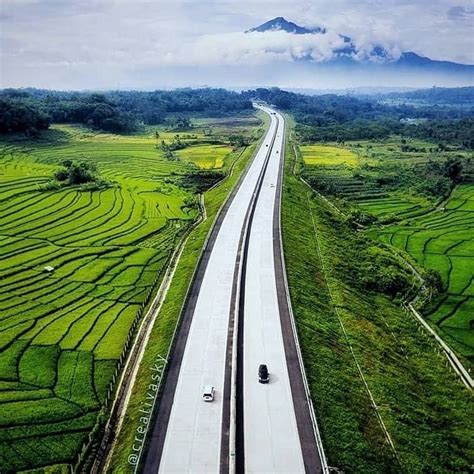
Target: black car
{"x": 263, "y": 374}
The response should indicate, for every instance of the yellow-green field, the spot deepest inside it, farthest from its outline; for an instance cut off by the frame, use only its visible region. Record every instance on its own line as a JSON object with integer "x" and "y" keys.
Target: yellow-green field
{"x": 63, "y": 331}
{"x": 328, "y": 155}
{"x": 146, "y": 136}
{"x": 205, "y": 156}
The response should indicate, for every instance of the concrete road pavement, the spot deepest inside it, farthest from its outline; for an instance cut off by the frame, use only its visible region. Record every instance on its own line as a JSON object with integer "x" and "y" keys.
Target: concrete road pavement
{"x": 271, "y": 436}
{"x": 193, "y": 435}
{"x": 274, "y": 426}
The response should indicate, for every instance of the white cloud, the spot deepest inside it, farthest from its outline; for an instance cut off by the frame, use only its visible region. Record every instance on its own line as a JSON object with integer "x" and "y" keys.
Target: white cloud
{"x": 60, "y": 43}
{"x": 257, "y": 48}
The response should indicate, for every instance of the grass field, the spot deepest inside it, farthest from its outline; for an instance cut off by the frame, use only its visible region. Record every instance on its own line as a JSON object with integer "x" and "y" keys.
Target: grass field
{"x": 63, "y": 331}
{"x": 444, "y": 241}
{"x": 354, "y": 341}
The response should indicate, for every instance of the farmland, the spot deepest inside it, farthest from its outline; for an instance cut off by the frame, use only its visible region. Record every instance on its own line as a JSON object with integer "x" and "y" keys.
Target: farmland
{"x": 358, "y": 343}
{"x": 407, "y": 203}
{"x": 78, "y": 264}
{"x": 375, "y": 177}
{"x": 443, "y": 240}
{"x": 327, "y": 155}
{"x": 205, "y": 156}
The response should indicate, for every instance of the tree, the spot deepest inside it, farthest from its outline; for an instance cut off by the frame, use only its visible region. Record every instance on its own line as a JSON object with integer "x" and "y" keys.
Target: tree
{"x": 238, "y": 141}
{"x": 76, "y": 173}
{"x": 101, "y": 113}
{"x": 16, "y": 116}
{"x": 453, "y": 168}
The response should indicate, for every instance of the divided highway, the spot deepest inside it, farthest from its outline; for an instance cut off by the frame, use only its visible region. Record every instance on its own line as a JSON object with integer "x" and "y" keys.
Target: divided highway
{"x": 240, "y": 275}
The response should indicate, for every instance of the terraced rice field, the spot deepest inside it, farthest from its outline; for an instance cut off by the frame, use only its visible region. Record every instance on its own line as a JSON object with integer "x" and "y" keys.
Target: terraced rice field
{"x": 393, "y": 204}
{"x": 444, "y": 240}
{"x": 352, "y": 173}
{"x": 342, "y": 182}
{"x": 63, "y": 331}
{"x": 328, "y": 155}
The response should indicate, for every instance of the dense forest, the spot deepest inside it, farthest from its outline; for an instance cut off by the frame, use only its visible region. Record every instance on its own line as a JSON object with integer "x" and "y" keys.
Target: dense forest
{"x": 331, "y": 108}
{"x": 16, "y": 116}
{"x": 326, "y": 117}
{"x": 442, "y": 132}
{"x": 341, "y": 118}
{"x": 114, "y": 111}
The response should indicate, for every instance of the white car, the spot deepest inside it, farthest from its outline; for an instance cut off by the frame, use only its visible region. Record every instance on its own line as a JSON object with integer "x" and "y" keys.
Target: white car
{"x": 208, "y": 393}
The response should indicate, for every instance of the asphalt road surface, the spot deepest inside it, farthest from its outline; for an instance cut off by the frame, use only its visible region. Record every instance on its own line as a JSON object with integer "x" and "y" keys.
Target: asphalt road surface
{"x": 190, "y": 435}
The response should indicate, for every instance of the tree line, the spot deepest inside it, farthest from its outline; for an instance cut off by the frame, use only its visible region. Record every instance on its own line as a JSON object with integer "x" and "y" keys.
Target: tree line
{"x": 16, "y": 116}
{"x": 114, "y": 111}
{"x": 436, "y": 95}
{"x": 442, "y": 132}
{"x": 327, "y": 117}
{"x": 339, "y": 118}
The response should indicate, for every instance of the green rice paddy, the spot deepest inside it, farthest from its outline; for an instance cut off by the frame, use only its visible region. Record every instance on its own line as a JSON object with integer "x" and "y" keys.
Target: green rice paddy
{"x": 444, "y": 241}
{"x": 64, "y": 328}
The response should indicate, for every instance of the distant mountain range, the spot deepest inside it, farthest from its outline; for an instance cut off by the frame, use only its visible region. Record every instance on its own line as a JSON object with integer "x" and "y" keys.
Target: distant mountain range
{"x": 347, "y": 54}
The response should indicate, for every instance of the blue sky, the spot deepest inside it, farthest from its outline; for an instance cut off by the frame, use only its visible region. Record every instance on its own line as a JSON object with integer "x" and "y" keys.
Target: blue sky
{"x": 126, "y": 43}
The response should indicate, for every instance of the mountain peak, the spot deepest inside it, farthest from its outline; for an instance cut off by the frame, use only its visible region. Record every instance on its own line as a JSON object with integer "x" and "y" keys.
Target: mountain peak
{"x": 282, "y": 24}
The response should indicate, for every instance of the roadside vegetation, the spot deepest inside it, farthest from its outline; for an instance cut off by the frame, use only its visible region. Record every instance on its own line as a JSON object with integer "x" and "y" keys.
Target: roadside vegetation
{"x": 88, "y": 224}
{"x": 384, "y": 399}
